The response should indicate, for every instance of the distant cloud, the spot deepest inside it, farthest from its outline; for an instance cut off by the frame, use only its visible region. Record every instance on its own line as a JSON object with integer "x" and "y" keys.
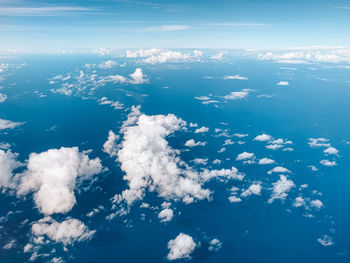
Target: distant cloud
{"x": 283, "y": 83}
{"x": 42, "y": 11}
{"x": 164, "y": 28}
{"x": 235, "y": 77}
{"x": 328, "y": 163}
{"x": 237, "y": 95}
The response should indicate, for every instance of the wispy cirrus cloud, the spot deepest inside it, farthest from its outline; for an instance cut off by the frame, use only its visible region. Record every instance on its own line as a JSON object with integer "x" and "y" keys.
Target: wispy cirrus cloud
{"x": 164, "y": 28}
{"x": 41, "y": 11}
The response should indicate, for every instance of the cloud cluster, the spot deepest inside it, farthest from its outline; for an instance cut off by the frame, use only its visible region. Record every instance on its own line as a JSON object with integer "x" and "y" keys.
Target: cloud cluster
{"x": 308, "y": 55}
{"x": 156, "y": 56}
{"x": 150, "y": 163}
{"x": 67, "y": 232}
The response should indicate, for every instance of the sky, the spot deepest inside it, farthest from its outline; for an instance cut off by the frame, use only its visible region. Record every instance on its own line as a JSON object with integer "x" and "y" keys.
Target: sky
{"x": 85, "y": 24}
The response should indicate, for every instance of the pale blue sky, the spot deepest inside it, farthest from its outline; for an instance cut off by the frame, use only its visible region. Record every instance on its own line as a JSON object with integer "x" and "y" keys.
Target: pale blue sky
{"x": 84, "y": 24}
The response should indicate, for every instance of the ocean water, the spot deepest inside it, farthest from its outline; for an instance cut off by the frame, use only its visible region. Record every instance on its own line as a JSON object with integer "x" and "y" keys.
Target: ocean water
{"x": 315, "y": 104}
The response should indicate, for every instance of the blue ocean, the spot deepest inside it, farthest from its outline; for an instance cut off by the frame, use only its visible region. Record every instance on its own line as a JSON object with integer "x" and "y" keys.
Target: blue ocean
{"x": 69, "y": 100}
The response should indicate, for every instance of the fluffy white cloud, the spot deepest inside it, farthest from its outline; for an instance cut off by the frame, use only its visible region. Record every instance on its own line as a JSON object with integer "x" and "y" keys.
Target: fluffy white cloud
{"x": 115, "y": 104}
{"x": 319, "y": 142}
{"x": 181, "y": 247}
{"x": 331, "y": 150}
{"x": 202, "y": 130}
{"x": 264, "y": 161}
{"x": 172, "y": 56}
{"x": 67, "y": 232}
{"x": 299, "y": 201}
{"x": 326, "y": 241}
{"x": 150, "y": 163}
{"x": 138, "y": 77}
{"x": 7, "y": 124}
{"x": 214, "y": 244}
{"x": 316, "y": 203}
{"x": 52, "y": 176}
{"x": 8, "y": 163}
{"x": 234, "y": 199}
{"x": 3, "y": 97}
{"x": 237, "y": 95}
{"x": 192, "y": 143}
{"x": 107, "y": 64}
{"x": 263, "y": 137}
{"x": 244, "y": 156}
{"x": 141, "y": 53}
{"x": 328, "y": 163}
{"x": 279, "y": 169}
{"x": 219, "y": 56}
{"x": 283, "y": 83}
{"x": 166, "y": 215}
{"x": 235, "y": 77}
{"x": 281, "y": 188}
{"x": 110, "y": 146}
{"x": 254, "y": 189}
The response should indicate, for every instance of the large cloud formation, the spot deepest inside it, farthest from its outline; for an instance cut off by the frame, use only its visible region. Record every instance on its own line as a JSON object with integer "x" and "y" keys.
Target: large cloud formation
{"x": 52, "y": 176}
{"x": 150, "y": 163}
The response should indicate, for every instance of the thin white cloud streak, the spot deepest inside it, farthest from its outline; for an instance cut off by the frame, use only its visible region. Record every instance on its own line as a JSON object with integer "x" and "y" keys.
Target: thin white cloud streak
{"x": 166, "y": 28}
{"x": 41, "y": 11}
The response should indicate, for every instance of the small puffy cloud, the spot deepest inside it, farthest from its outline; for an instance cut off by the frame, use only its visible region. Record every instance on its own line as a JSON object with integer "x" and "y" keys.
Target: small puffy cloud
{"x": 274, "y": 146}
{"x": 319, "y": 142}
{"x": 313, "y": 168}
{"x": 219, "y": 56}
{"x": 10, "y": 244}
{"x": 236, "y": 95}
{"x": 3, "y": 97}
{"x": 240, "y": 135}
{"x": 263, "y": 137}
{"x": 202, "y": 130}
{"x": 202, "y": 161}
{"x": 281, "y": 188}
{"x": 234, "y": 199}
{"x": 215, "y": 244}
{"x": 192, "y": 143}
{"x": 181, "y": 247}
{"x": 328, "y": 163}
{"x": 202, "y": 98}
{"x": 316, "y": 203}
{"x": 166, "y": 215}
{"x": 107, "y": 64}
{"x": 235, "y": 77}
{"x": 299, "y": 201}
{"x": 283, "y": 83}
{"x": 254, "y": 189}
{"x": 279, "y": 169}
{"x": 264, "y": 161}
{"x": 244, "y": 156}
{"x": 110, "y": 146}
{"x": 7, "y": 124}
{"x": 331, "y": 150}
{"x": 67, "y": 232}
{"x": 115, "y": 104}
{"x": 326, "y": 241}
{"x": 138, "y": 77}
{"x": 52, "y": 176}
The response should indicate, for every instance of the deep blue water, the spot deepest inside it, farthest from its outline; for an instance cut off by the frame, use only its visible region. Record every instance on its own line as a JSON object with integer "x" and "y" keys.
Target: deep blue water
{"x": 251, "y": 231}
